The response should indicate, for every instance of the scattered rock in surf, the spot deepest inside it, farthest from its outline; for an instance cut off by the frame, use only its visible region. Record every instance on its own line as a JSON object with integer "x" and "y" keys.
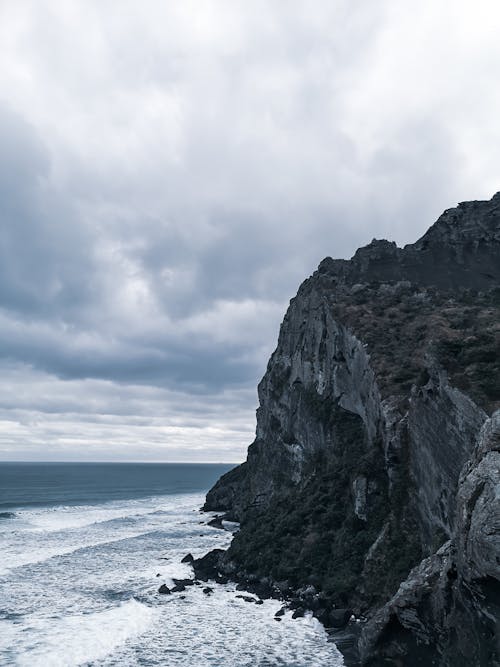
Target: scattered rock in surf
{"x": 183, "y": 582}
{"x": 208, "y": 566}
{"x": 299, "y": 612}
{"x": 247, "y": 598}
{"x": 280, "y": 612}
{"x": 178, "y": 589}
{"x": 7, "y": 515}
{"x": 216, "y": 522}
{"x": 188, "y": 558}
{"x": 208, "y": 590}
{"x": 164, "y": 590}
{"x": 158, "y": 574}
{"x": 277, "y": 618}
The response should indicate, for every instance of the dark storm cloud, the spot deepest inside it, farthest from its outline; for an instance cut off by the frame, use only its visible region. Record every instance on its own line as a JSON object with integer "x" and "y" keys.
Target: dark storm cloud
{"x": 170, "y": 173}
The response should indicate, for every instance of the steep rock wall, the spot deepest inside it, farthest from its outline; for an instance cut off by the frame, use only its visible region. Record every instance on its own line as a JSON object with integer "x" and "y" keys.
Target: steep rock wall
{"x": 447, "y": 611}
{"x": 369, "y": 409}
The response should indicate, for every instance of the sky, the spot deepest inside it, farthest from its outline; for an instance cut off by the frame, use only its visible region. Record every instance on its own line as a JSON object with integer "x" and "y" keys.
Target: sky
{"x": 170, "y": 172}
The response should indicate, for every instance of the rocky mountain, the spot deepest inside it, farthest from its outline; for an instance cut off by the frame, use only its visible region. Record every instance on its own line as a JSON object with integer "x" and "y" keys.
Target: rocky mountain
{"x": 373, "y": 482}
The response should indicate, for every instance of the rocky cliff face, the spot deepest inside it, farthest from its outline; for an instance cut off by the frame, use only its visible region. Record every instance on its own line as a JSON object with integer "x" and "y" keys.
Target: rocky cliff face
{"x": 366, "y": 470}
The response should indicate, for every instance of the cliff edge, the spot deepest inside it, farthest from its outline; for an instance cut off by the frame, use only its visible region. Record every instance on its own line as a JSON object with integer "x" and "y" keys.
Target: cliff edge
{"x": 373, "y": 481}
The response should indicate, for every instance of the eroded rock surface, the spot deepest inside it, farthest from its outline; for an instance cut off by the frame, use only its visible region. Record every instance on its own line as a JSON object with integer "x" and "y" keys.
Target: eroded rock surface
{"x": 374, "y": 472}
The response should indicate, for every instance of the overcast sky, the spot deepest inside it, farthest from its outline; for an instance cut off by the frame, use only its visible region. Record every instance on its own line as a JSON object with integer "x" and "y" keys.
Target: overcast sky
{"x": 171, "y": 171}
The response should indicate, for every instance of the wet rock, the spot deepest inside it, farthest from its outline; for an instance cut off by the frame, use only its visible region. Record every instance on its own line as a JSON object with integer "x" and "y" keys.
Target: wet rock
{"x": 299, "y": 612}
{"x": 208, "y": 591}
{"x": 208, "y": 567}
{"x": 178, "y": 588}
{"x": 216, "y": 522}
{"x": 322, "y": 615}
{"x": 183, "y": 582}
{"x": 164, "y": 590}
{"x": 339, "y": 618}
{"x": 188, "y": 558}
{"x": 247, "y": 598}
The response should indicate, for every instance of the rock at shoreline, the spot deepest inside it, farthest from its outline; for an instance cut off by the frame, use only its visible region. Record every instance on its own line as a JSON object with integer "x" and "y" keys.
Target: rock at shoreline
{"x": 216, "y": 522}
{"x": 339, "y": 618}
{"x": 183, "y": 582}
{"x": 164, "y": 590}
{"x": 188, "y": 558}
{"x": 372, "y": 484}
{"x": 248, "y": 598}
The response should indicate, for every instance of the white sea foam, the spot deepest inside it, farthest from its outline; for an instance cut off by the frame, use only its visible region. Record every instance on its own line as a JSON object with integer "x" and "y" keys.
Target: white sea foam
{"x": 97, "y": 602}
{"x": 64, "y": 517}
{"x": 78, "y": 640}
{"x": 12, "y": 559}
{"x": 226, "y": 631}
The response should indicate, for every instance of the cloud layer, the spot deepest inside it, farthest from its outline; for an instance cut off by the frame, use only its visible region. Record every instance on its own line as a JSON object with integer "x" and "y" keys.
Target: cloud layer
{"x": 170, "y": 172}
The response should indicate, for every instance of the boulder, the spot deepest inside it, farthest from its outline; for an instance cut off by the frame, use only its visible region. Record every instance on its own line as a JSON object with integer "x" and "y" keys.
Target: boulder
{"x": 164, "y": 590}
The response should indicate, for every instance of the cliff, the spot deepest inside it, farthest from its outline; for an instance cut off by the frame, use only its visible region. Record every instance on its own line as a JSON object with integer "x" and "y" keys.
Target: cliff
{"x": 373, "y": 478}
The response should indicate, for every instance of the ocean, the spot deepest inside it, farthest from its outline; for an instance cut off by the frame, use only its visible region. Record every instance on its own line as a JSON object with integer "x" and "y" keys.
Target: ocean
{"x": 83, "y": 550}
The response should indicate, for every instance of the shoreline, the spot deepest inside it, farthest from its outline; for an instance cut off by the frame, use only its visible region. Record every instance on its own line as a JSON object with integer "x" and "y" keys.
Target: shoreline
{"x": 340, "y": 628}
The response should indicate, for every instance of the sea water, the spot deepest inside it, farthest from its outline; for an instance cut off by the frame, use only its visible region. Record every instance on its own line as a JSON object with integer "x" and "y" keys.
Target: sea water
{"x": 83, "y": 551}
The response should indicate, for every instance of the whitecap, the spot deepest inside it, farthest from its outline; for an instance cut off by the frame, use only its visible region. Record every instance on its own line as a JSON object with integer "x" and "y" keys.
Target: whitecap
{"x": 81, "y": 639}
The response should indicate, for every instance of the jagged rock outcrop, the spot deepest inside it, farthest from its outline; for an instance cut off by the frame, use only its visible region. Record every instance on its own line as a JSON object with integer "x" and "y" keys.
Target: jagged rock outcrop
{"x": 386, "y": 369}
{"x": 447, "y": 612}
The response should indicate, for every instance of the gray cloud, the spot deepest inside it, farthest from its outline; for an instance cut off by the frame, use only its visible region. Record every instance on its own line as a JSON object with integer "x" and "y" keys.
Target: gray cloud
{"x": 170, "y": 173}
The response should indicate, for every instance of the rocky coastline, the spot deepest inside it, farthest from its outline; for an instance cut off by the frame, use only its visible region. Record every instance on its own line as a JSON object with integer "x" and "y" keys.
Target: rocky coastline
{"x": 370, "y": 495}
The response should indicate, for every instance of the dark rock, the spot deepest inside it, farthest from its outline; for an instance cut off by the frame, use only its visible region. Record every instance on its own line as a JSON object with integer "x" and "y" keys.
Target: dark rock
{"x": 208, "y": 591}
{"x": 283, "y": 587}
{"x": 322, "y": 615}
{"x": 365, "y": 468}
{"x": 277, "y": 618}
{"x": 281, "y": 612}
{"x": 451, "y": 600}
{"x": 164, "y": 590}
{"x": 178, "y": 588}
{"x": 339, "y": 618}
{"x": 183, "y": 582}
{"x": 299, "y": 612}
{"x": 208, "y": 566}
{"x": 188, "y": 558}
{"x": 247, "y": 598}
{"x": 158, "y": 575}
{"x": 295, "y": 603}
